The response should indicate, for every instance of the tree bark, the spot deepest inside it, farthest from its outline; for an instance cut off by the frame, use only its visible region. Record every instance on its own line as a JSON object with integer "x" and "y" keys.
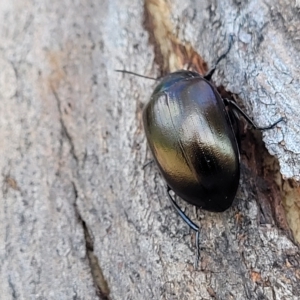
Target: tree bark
{"x": 79, "y": 216}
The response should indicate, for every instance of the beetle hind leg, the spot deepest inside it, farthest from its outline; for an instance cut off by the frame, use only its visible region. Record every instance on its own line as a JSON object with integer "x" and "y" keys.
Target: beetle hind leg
{"x": 189, "y": 222}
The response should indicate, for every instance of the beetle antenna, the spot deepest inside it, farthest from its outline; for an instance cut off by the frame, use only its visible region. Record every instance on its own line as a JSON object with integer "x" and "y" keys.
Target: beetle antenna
{"x": 136, "y": 74}
{"x": 188, "y": 221}
{"x": 212, "y": 71}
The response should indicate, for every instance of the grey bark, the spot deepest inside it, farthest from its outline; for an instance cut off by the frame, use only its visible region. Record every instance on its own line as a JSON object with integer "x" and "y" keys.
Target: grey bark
{"x": 79, "y": 217}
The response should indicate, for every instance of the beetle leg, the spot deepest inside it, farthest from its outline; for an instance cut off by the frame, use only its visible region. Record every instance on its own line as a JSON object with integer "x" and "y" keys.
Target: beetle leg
{"x": 148, "y": 163}
{"x": 235, "y": 107}
{"x": 188, "y": 221}
{"x": 212, "y": 70}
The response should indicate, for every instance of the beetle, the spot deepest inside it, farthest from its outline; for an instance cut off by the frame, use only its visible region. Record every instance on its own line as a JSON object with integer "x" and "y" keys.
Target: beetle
{"x": 193, "y": 141}
{"x": 191, "y": 134}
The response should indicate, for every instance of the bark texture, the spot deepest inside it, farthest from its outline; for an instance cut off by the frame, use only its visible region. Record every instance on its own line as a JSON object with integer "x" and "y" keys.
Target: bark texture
{"x": 79, "y": 217}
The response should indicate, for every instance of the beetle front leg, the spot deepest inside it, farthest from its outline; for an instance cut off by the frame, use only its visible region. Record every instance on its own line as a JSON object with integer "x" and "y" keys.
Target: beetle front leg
{"x": 212, "y": 70}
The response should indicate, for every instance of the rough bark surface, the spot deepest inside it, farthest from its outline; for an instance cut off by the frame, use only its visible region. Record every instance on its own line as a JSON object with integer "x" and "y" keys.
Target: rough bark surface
{"x": 79, "y": 217}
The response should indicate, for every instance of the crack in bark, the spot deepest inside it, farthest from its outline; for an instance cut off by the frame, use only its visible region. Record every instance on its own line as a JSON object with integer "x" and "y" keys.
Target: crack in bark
{"x": 100, "y": 283}
{"x": 63, "y": 126}
{"x": 11, "y": 285}
{"x": 170, "y": 53}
